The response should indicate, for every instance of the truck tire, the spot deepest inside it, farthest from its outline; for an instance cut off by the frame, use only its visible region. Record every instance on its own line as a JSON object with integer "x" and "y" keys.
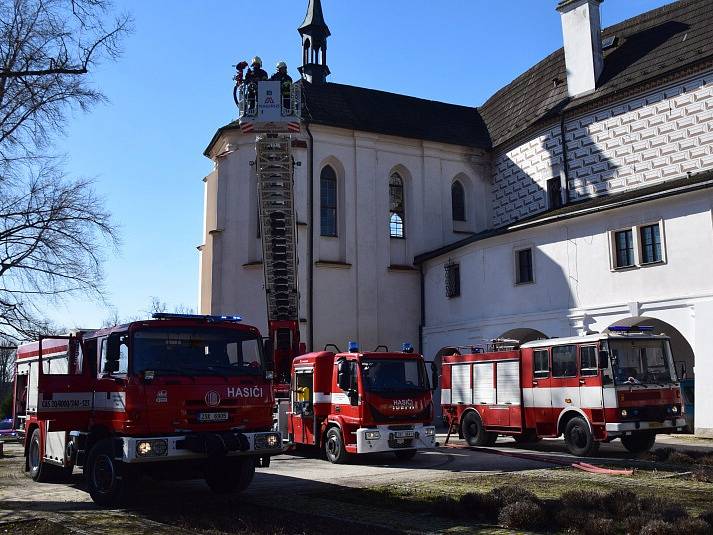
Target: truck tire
{"x": 39, "y": 471}
{"x": 639, "y": 442}
{"x": 230, "y": 475}
{"x": 474, "y": 432}
{"x": 405, "y": 455}
{"x": 334, "y": 447}
{"x": 579, "y": 438}
{"x": 109, "y": 481}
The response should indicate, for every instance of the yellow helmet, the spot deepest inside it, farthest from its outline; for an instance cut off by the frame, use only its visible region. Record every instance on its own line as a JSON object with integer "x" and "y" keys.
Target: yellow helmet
{"x": 257, "y": 60}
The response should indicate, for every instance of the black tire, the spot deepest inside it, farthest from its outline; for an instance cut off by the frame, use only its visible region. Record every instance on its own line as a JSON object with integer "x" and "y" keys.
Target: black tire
{"x": 528, "y": 437}
{"x": 109, "y": 481}
{"x": 38, "y": 470}
{"x": 639, "y": 442}
{"x": 405, "y": 455}
{"x": 474, "y": 433}
{"x": 230, "y": 475}
{"x": 579, "y": 438}
{"x": 334, "y": 447}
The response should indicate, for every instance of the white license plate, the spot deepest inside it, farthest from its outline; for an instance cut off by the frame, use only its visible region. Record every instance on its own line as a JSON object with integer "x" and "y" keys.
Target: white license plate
{"x": 212, "y": 416}
{"x": 404, "y": 434}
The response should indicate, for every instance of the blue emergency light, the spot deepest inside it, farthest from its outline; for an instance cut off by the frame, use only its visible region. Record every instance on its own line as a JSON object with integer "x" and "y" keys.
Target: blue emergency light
{"x": 170, "y": 316}
{"x": 406, "y": 347}
{"x": 352, "y": 347}
{"x": 635, "y": 329}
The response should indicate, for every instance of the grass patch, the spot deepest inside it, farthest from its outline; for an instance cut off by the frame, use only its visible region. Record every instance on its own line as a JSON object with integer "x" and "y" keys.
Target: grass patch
{"x": 34, "y": 527}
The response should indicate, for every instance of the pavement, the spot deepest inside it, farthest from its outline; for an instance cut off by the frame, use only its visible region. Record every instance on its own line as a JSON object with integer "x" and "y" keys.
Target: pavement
{"x": 300, "y": 476}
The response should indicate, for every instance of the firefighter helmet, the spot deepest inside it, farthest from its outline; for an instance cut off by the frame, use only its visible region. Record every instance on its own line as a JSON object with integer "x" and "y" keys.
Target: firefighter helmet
{"x": 257, "y": 61}
{"x": 281, "y": 65}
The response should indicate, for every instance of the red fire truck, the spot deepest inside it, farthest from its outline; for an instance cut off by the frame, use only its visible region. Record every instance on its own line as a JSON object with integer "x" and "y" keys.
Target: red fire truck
{"x": 179, "y": 396}
{"x": 591, "y": 389}
{"x": 355, "y": 402}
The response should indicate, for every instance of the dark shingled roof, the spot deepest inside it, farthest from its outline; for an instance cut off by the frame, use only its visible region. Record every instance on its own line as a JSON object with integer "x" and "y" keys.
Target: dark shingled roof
{"x": 647, "y": 47}
{"x": 687, "y": 184}
{"x": 369, "y": 110}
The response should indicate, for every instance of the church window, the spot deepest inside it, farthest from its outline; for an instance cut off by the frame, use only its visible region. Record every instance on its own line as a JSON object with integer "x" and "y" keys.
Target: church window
{"x": 328, "y": 201}
{"x": 458, "y": 201}
{"x": 650, "y": 244}
{"x": 624, "y": 248}
{"x": 452, "y": 280}
{"x": 523, "y": 267}
{"x": 396, "y": 206}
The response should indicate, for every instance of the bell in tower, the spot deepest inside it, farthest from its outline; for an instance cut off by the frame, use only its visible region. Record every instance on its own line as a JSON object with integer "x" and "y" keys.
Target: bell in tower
{"x": 314, "y": 32}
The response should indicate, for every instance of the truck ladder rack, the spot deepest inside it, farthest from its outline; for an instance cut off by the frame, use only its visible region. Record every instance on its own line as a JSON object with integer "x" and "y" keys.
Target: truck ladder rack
{"x": 278, "y": 230}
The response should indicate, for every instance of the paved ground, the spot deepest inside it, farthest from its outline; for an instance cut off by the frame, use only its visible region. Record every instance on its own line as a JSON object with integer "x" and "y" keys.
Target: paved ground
{"x": 287, "y": 484}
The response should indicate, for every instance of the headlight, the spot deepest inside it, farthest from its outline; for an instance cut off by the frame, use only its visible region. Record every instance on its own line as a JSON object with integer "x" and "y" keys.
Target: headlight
{"x": 624, "y": 413}
{"x": 675, "y": 409}
{"x": 372, "y": 435}
{"x": 430, "y": 431}
{"x": 273, "y": 441}
{"x": 268, "y": 441}
{"x": 152, "y": 448}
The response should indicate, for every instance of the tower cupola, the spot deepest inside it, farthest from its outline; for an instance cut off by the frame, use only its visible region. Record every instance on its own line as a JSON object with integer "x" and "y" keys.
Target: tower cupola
{"x": 314, "y": 32}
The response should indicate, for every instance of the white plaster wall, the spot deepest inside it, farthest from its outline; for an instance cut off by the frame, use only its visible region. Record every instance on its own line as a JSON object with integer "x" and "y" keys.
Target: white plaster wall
{"x": 659, "y": 136}
{"x": 576, "y": 290}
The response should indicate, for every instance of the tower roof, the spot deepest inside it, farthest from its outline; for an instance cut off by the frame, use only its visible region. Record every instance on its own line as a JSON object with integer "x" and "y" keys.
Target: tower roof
{"x": 314, "y": 20}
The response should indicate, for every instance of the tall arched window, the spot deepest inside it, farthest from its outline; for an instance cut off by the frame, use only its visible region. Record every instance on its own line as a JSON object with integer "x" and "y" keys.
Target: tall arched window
{"x": 328, "y": 201}
{"x": 396, "y": 206}
{"x": 458, "y": 201}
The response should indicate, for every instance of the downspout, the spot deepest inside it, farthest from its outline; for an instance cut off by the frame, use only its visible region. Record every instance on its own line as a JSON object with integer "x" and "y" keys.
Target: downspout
{"x": 310, "y": 248}
{"x": 565, "y": 158}
{"x": 423, "y": 309}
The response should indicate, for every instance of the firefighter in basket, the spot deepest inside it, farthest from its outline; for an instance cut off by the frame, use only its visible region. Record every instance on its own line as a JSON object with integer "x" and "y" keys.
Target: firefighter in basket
{"x": 255, "y": 74}
{"x": 286, "y": 84}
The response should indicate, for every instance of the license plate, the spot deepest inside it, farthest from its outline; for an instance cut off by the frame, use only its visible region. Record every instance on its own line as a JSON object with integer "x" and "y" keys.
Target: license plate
{"x": 404, "y": 434}
{"x": 212, "y": 416}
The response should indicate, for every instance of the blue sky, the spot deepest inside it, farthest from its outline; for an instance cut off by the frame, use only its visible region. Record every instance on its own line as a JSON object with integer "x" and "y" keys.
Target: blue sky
{"x": 172, "y": 89}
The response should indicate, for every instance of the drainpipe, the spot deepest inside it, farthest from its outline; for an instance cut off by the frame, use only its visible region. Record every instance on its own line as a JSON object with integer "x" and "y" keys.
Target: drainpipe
{"x": 423, "y": 310}
{"x": 310, "y": 248}
{"x": 565, "y": 158}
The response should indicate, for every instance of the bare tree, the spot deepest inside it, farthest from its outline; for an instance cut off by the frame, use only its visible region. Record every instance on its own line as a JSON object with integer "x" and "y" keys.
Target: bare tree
{"x": 52, "y": 229}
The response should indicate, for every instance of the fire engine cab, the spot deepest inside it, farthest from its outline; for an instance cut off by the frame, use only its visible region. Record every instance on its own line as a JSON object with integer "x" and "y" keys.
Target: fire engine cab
{"x": 591, "y": 389}
{"x": 179, "y": 396}
{"x": 355, "y": 402}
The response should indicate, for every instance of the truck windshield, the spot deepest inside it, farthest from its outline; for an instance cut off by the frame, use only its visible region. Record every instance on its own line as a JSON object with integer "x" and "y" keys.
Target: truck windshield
{"x": 387, "y": 375}
{"x": 197, "y": 351}
{"x": 638, "y": 361}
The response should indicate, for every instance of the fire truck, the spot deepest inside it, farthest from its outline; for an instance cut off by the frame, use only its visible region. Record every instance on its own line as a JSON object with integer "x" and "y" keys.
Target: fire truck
{"x": 360, "y": 402}
{"x": 592, "y": 389}
{"x": 178, "y": 396}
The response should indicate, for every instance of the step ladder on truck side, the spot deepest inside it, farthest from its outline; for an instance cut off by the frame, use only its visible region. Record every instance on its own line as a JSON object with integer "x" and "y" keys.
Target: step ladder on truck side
{"x": 272, "y": 111}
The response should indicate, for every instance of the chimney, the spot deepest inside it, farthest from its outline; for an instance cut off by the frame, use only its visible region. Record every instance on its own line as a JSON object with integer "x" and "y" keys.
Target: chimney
{"x": 582, "y": 30}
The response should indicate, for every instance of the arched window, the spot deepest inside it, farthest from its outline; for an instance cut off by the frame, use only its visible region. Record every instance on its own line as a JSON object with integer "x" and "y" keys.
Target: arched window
{"x": 328, "y": 201}
{"x": 458, "y": 201}
{"x": 396, "y": 206}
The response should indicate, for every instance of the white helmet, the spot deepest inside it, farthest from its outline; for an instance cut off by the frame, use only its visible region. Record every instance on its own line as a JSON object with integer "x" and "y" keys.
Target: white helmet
{"x": 257, "y": 60}
{"x": 281, "y": 65}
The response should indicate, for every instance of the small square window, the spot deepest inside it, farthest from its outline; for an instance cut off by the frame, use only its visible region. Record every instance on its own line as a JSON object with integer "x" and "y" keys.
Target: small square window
{"x": 650, "y": 244}
{"x": 452, "y": 280}
{"x": 541, "y": 358}
{"x": 624, "y": 249}
{"x": 524, "y": 272}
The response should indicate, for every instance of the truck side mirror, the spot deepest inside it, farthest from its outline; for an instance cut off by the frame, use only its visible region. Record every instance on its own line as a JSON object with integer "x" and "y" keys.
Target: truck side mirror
{"x": 353, "y": 396}
{"x": 434, "y": 376}
{"x": 603, "y": 359}
{"x": 343, "y": 381}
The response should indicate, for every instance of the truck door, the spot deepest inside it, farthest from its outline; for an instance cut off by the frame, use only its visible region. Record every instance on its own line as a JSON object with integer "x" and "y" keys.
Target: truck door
{"x": 64, "y": 393}
{"x": 111, "y": 377}
{"x": 590, "y": 383}
{"x": 565, "y": 378}
{"x": 540, "y": 395}
{"x": 302, "y": 410}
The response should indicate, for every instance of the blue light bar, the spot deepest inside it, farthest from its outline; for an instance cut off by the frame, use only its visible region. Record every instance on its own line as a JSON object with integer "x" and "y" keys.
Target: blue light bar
{"x": 170, "y": 316}
{"x": 352, "y": 347}
{"x": 406, "y": 347}
{"x": 635, "y": 329}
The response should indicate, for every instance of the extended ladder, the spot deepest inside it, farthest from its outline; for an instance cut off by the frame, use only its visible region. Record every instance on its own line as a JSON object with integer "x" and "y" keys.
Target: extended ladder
{"x": 278, "y": 231}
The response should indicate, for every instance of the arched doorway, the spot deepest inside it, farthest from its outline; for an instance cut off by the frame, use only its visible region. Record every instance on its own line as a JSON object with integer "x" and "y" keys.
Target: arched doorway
{"x": 683, "y": 357}
{"x": 523, "y": 335}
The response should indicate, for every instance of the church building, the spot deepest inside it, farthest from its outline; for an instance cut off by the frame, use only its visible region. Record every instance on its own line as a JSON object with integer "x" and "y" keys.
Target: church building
{"x": 578, "y": 197}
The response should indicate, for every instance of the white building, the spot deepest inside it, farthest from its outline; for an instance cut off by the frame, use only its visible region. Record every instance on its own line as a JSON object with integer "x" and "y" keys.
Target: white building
{"x": 577, "y": 197}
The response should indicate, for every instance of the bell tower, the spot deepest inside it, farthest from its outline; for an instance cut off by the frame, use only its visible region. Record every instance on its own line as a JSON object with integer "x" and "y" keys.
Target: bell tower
{"x": 314, "y": 32}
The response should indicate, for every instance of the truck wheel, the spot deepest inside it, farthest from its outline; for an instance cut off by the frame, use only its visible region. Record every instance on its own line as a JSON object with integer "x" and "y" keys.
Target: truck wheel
{"x": 579, "y": 438}
{"x": 405, "y": 455}
{"x": 474, "y": 432}
{"x": 639, "y": 442}
{"x": 230, "y": 476}
{"x": 334, "y": 447}
{"x": 39, "y": 470}
{"x": 108, "y": 479}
